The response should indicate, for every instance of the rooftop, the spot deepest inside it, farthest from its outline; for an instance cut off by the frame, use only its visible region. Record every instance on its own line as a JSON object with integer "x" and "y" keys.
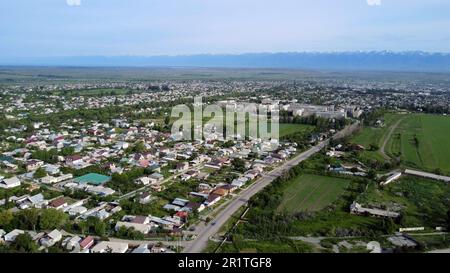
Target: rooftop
{"x": 93, "y": 178}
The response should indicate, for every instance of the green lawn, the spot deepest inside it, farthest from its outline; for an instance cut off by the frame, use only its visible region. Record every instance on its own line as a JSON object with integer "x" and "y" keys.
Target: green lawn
{"x": 268, "y": 247}
{"x": 289, "y": 129}
{"x": 312, "y": 193}
{"x": 371, "y": 135}
{"x": 423, "y": 142}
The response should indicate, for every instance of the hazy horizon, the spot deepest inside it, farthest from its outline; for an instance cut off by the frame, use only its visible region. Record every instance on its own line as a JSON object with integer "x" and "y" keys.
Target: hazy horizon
{"x": 385, "y": 61}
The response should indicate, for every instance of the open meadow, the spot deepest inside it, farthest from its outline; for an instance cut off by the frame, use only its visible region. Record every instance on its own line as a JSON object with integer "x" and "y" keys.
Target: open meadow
{"x": 423, "y": 142}
{"x": 311, "y": 193}
{"x": 376, "y": 136}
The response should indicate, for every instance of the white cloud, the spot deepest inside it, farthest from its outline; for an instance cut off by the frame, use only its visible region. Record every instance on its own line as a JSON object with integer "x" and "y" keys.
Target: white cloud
{"x": 374, "y": 2}
{"x": 73, "y": 2}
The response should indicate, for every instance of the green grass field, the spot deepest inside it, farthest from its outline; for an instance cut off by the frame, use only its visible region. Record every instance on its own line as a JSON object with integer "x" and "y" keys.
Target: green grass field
{"x": 423, "y": 142}
{"x": 268, "y": 247}
{"x": 290, "y": 129}
{"x": 371, "y": 135}
{"x": 312, "y": 193}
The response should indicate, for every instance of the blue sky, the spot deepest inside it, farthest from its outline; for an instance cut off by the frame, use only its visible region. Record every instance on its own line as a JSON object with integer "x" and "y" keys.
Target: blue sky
{"x": 46, "y": 28}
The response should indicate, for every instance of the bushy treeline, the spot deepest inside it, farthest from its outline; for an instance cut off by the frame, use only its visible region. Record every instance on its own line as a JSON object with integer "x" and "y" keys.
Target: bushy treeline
{"x": 321, "y": 124}
{"x": 32, "y": 219}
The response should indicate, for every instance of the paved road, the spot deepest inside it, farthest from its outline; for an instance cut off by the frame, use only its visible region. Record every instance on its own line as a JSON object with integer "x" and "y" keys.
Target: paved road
{"x": 205, "y": 232}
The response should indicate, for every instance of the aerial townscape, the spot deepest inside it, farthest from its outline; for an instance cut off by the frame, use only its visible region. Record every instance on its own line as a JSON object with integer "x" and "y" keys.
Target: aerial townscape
{"x": 94, "y": 167}
{"x": 217, "y": 135}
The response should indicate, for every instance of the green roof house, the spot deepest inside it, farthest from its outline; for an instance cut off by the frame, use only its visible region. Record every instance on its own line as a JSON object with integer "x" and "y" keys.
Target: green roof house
{"x": 93, "y": 178}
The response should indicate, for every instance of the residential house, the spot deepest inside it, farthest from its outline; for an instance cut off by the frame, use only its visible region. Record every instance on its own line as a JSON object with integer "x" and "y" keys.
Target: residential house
{"x": 52, "y": 169}
{"x": 202, "y": 175}
{"x": 87, "y": 243}
{"x": 182, "y": 166}
{"x": 180, "y": 202}
{"x": 141, "y": 249}
{"x": 100, "y": 190}
{"x": 51, "y": 238}
{"x": 35, "y": 201}
{"x": 157, "y": 187}
{"x": 228, "y": 187}
{"x": 74, "y": 160}
{"x": 145, "y": 198}
{"x": 212, "y": 199}
{"x": 194, "y": 206}
{"x": 144, "y": 180}
{"x": 221, "y": 192}
{"x": 171, "y": 207}
{"x": 9, "y": 183}
{"x": 156, "y": 178}
{"x": 142, "y": 228}
{"x": 175, "y": 220}
{"x": 240, "y": 182}
{"x": 143, "y": 163}
{"x": 204, "y": 187}
{"x": 140, "y": 220}
{"x": 33, "y": 164}
{"x": 110, "y": 247}
{"x": 72, "y": 243}
{"x": 48, "y": 179}
{"x": 252, "y": 174}
{"x": 11, "y": 236}
{"x": 78, "y": 210}
{"x": 200, "y": 194}
{"x": 58, "y": 203}
{"x": 154, "y": 167}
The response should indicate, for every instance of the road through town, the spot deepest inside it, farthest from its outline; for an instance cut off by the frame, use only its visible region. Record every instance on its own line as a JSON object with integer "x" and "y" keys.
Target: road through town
{"x": 205, "y": 232}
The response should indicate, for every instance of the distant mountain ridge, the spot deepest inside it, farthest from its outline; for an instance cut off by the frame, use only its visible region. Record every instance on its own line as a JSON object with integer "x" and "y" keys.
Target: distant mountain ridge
{"x": 374, "y": 60}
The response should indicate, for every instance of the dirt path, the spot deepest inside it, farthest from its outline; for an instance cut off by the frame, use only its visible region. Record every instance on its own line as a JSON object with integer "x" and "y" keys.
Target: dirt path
{"x": 317, "y": 203}
{"x": 388, "y": 136}
{"x": 308, "y": 196}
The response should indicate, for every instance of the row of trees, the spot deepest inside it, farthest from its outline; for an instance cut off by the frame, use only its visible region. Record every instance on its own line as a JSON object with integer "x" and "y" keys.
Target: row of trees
{"x": 92, "y": 225}
{"x": 370, "y": 118}
{"x": 124, "y": 182}
{"x": 322, "y": 124}
{"x": 33, "y": 219}
{"x": 24, "y": 243}
{"x": 51, "y": 156}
